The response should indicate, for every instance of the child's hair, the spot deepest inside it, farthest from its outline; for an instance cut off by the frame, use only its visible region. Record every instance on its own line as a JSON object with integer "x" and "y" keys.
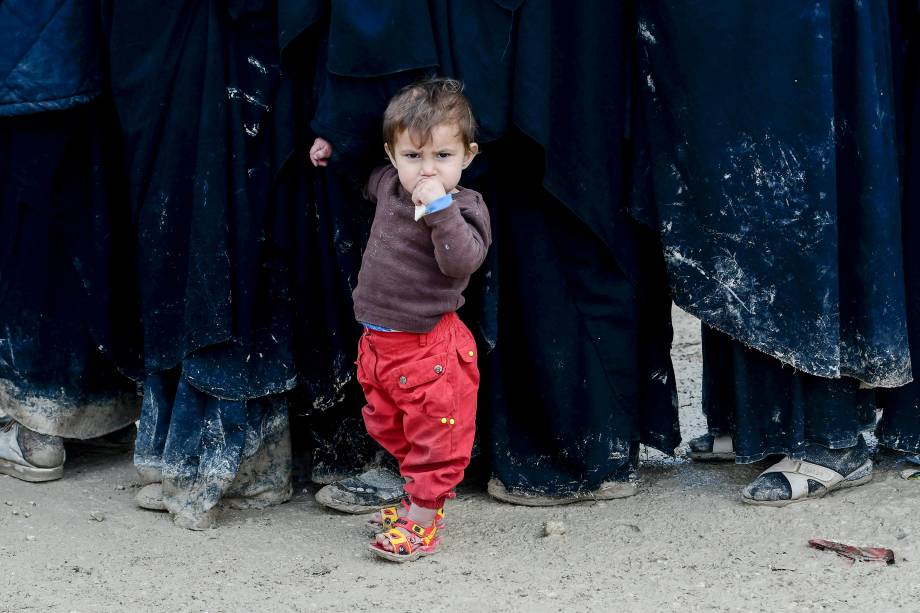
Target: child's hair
{"x": 422, "y": 106}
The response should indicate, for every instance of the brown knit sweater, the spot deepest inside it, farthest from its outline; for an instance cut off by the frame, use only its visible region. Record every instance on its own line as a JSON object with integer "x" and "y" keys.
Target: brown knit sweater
{"x": 412, "y": 272}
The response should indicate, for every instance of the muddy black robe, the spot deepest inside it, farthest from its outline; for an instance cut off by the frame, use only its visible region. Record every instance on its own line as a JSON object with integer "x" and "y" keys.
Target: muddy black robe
{"x": 209, "y": 123}
{"x": 768, "y": 165}
{"x": 769, "y": 168}
{"x": 899, "y": 427}
{"x": 68, "y": 332}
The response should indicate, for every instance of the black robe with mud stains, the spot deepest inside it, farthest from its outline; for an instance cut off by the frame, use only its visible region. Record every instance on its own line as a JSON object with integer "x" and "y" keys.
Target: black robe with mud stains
{"x": 769, "y": 168}
{"x": 899, "y": 427}
{"x": 572, "y": 296}
{"x": 67, "y": 317}
{"x": 209, "y": 123}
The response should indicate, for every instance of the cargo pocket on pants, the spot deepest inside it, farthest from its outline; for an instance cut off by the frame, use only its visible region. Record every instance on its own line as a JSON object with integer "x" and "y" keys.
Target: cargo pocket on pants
{"x": 423, "y": 391}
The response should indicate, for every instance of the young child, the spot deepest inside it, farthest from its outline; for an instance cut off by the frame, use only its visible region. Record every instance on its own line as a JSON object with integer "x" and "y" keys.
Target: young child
{"x": 416, "y": 359}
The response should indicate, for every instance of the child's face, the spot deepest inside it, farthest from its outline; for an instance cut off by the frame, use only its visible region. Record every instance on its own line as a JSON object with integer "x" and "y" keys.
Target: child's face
{"x": 442, "y": 158}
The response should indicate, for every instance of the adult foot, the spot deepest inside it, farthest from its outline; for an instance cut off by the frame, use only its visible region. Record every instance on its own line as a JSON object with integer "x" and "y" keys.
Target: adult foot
{"x": 30, "y": 456}
{"x": 205, "y": 521}
{"x": 712, "y": 448}
{"x": 821, "y": 471}
{"x": 912, "y": 473}
{"x": 150, "y": 497}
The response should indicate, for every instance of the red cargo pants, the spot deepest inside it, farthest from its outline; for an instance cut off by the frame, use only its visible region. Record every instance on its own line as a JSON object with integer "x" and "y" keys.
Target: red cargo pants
{"x": 421, "y": 403}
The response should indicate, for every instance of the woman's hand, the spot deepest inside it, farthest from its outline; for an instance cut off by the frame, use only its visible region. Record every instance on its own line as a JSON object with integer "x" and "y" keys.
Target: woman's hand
{"x": 320, "y": 152}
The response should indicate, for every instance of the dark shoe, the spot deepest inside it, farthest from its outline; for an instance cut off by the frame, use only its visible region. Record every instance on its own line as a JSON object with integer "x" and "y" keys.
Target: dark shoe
{"x": 322, "y": 473}
{"x": 370, "y": 491}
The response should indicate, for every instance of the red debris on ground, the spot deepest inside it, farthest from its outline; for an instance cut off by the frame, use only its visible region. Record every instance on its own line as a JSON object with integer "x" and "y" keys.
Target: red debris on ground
{"x": 862, "y": 554}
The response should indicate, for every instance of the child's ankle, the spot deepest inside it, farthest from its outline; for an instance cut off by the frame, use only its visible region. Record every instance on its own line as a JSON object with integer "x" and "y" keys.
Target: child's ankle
{"x": 421, "y": 515}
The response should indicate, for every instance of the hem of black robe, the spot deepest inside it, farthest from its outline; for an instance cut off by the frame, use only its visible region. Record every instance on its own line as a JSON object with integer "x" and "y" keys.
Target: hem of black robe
{"x": 50, "y": 105}
{"x": 562, "y": 487}
{"x": 838, "y": 375}
{"x": 905, "y": 444}
{"x": 274, "y": 386}
{"x": 796, "y": 455}
{"x": 89, "y": 416}
{"x": 558, "y": 489}
{"x": 263, "y": 392}
{"x": 163, "y": 363}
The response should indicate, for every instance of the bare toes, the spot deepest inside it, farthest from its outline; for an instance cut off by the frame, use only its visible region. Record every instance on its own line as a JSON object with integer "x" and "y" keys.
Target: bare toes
{"x": 383, "y": 543}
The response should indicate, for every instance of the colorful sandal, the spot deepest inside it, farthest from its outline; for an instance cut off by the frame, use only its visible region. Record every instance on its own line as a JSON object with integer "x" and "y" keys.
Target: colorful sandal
{"x": 389, "y": 515}
{"x": 407, "y": 547}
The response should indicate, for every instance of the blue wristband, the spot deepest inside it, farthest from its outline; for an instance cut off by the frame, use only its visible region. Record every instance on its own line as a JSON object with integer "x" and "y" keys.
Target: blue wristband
{"x": 438, "y": 205}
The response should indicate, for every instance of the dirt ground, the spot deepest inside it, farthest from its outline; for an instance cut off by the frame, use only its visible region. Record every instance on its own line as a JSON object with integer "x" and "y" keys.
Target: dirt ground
{"x": 685, "y": 542}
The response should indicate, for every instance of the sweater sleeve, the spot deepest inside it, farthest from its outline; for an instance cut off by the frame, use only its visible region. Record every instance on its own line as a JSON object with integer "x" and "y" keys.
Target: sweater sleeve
{"x": 377, "y": 180}
{"x": 461, "y": 236}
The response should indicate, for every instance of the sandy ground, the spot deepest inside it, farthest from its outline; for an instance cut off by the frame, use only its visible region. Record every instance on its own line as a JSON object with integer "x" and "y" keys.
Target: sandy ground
{"x": 685, "y": 542}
